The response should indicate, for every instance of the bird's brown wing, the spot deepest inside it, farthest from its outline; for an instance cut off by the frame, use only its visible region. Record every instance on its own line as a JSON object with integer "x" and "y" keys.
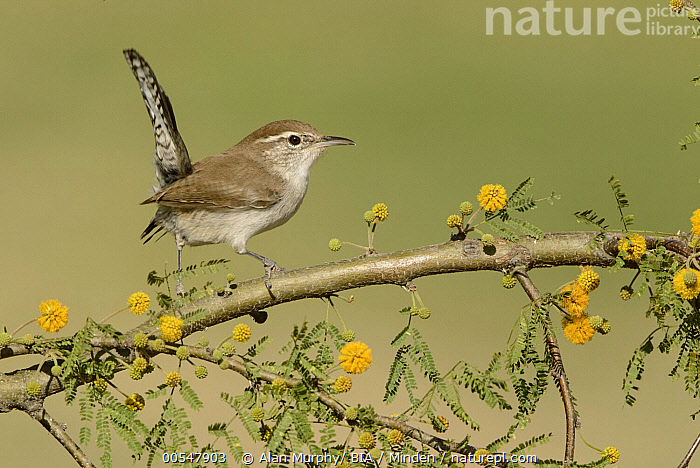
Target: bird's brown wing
{"x": 224, "y": 181}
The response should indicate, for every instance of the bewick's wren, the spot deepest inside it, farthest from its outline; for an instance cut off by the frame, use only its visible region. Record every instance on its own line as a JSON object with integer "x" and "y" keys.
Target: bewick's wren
{"x": 227, "y": 198}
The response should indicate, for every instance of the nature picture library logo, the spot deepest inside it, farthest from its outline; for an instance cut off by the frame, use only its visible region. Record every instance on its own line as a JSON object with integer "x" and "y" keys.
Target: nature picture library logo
{"x": 677, "y": 18}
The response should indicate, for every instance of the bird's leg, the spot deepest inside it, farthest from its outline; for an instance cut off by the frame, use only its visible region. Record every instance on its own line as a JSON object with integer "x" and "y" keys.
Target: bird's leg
{"x": 179, "y": 288}
{"x": 269, "y": 266}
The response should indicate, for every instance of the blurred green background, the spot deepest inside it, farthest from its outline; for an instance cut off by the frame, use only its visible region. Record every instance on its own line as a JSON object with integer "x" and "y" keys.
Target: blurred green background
{"x": 437, "y": 109}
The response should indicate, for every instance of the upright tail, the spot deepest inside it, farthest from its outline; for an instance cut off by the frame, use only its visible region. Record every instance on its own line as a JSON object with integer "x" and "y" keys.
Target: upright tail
{"x": 170, "y": 159}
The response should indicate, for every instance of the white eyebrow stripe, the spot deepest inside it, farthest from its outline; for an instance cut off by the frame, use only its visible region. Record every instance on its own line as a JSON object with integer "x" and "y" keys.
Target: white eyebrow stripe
{"x": 279, "y": 136}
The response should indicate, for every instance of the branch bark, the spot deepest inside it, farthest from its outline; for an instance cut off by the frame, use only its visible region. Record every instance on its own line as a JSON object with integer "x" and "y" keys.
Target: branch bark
{"x": 398, "y": 268}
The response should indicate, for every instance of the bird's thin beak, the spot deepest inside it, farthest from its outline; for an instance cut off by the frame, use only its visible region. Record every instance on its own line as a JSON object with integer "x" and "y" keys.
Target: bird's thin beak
{"x": 335, "y": 141}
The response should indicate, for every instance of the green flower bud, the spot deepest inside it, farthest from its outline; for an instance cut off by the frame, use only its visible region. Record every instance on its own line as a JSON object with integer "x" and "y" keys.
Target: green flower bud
{"x": 5, "y": 339}
{"x": 159, "y": 345}
{"x": 28, "y": 339}
{"x": 334, "y": 244}
{"x": 33, "y": 388}
{"x": 140, "y": 340}
{"x": 351, "y": 414}
{"x": 509, "y": 281}
{"x": 466, "y": 208}
{"x": 183, "y": 353}
{"x": 257, "y": 414}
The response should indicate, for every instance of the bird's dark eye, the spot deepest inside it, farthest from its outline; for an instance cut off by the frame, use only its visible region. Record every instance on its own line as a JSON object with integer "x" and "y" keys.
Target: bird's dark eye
{"x": 294, "y": 140}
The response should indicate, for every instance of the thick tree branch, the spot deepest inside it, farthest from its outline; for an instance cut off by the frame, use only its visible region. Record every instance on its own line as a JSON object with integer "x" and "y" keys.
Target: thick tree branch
{"x": 398, "y": 268}
{"x": 555, "y": 249}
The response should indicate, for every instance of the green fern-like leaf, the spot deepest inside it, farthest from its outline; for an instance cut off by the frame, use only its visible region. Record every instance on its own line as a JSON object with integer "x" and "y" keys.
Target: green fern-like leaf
{"x": 328, "y": 435}
{"x": 190, "y": 396}
{"x": 521, "y": 189}
{"x": 85, "y": 435}
{"x": 622, "y": 202}
{"x": 154, "y": 280}
{"x": 278, "y": 434}
{"x": 410, "y": 385}
{"x": 258, "y": 347}
{"x": 249, "y": 425}
{"x": 448, "y": 393}
{"x": 103, "y": 439}
{"x": 396, "y": 372}
{"x": 525, "y": 227}
{"x": 505, "y": 230}
{"x": 303, "y": 428}
{"x": 422, "y": 356}
{"x": 591, "y": 217}
{"x": 635, "y": 370}
{"x": 194, "y": 316}
{"x": 531, "y": 442}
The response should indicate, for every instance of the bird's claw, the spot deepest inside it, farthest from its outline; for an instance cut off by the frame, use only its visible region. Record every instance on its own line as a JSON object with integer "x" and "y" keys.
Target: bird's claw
{"x": 270, "y": 266}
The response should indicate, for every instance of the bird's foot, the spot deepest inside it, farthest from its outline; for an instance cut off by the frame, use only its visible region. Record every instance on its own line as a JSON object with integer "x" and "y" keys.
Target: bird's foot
{"x": 270, "y": 266}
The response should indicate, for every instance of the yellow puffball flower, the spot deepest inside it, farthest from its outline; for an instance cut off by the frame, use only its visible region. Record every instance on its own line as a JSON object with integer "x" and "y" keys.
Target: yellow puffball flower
{"x": 381, "y": 212}
{"x": 588, "y": 279}
{"x": 395, "y": 437}
{"x": 355, "y": 357}
{"x": 634, "y": 246}
{"x": 480, "y": 456}
{"x": 682, "y": 289}
{"x": 676, "y": 6}
{"x": 242, "y": 333}
{"x": 577, "y": 300}
{"x": 135, "y": 402}
{"x": 342, "y": 384}
{"x": 366, "y": 440}
{"x": 55, "y": 315}
{"x": 577, "y": 329}
{"x": 279, "y": 384}
{"x": 454, "y": 221}
{"x": 171, "y": 328}
{"x": 173, "y": 379}
{"x": 492, "y": 197}
{"x": 695, "y": 221}
{"x": 611, "y": 453}
{"x": 139, "y": 302}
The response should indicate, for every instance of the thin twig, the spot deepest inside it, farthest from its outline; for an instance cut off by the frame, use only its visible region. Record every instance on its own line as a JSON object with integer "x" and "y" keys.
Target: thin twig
{"x": 686, "y": 460}
{"x": 59, "y": 432}
{"x": 557, "y": 370}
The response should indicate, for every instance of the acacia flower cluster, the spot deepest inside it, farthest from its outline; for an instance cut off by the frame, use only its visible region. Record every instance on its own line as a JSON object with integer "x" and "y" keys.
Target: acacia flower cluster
{"x": 242, "y": 333}
{"x": 171, "y": 328}
{"x": 492, "y": 197}
{"x": 632, "y": 247}
{"x": 139, "y": 302}
{"x": 355, "y": 357}
{"x": 54, "y": 315}
{"x": 579, "y": 328}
